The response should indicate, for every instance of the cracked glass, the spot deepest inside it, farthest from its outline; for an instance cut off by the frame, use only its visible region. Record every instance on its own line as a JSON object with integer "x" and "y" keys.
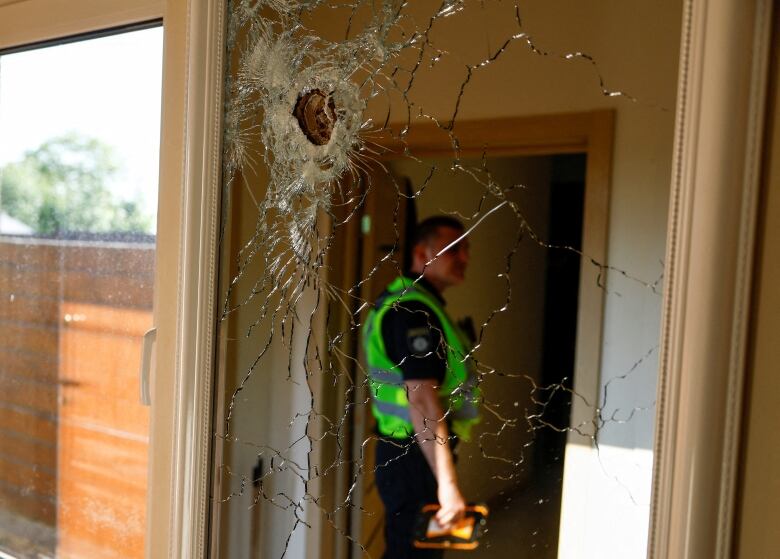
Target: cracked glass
{"x": 441, "y": 271}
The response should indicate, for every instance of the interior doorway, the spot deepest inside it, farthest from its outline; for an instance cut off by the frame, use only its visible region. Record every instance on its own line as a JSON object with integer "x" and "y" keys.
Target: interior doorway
{"x": 526, "y": 307}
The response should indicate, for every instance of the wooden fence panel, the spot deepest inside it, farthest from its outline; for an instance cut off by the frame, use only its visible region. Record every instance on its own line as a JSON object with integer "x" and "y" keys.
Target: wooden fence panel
{"x": 103, "y": 434}
{"x": 73, "y": 436}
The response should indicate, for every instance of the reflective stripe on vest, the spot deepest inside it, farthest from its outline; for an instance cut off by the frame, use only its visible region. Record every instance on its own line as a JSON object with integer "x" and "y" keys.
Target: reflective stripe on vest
{"x": 395, "y": 410}
{"x": 384, "y": 376}
{"x": 459, "y": 395}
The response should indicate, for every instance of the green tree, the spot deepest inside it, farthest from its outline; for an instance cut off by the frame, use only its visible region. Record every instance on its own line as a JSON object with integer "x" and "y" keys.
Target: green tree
{"x": 61, "y": 186}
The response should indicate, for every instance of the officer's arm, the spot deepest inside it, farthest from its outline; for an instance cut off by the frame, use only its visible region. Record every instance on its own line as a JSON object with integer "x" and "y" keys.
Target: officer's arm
{"x": 433, "y": 436}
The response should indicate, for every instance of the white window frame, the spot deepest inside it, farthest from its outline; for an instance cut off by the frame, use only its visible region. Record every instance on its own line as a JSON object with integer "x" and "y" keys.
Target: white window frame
{"x": 716, "y": 177}
{"x": 712, "y": 222}
{"x": 26, "y": 22}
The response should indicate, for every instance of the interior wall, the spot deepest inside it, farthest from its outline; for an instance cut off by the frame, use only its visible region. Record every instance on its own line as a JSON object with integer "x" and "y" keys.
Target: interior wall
{"x": 512, "y": 342}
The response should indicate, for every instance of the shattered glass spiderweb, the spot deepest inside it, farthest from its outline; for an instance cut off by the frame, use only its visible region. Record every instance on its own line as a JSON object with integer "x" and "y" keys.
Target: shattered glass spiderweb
{"x": 320, "y": 106}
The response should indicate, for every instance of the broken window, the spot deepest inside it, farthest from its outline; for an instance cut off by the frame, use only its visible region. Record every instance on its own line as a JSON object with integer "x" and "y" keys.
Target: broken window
{"x": 545, "y": 129}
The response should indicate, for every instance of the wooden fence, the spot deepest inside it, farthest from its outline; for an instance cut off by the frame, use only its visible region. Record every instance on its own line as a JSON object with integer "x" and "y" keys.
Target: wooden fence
{"x": 73, "y": 435}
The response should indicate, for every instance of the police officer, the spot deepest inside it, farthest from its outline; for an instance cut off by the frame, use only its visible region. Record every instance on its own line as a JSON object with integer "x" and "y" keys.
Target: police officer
{"x": 423, "y": 388}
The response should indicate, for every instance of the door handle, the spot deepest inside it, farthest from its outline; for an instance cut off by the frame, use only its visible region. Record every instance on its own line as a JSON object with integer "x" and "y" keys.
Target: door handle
{"x": 146, "y": 365}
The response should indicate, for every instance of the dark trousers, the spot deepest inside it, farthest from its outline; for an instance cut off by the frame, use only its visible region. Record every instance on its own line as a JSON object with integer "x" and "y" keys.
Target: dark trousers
{"x": 405, "y": 483}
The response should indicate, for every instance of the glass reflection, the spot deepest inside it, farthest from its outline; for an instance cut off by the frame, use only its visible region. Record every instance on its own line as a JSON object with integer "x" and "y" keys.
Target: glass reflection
{"x": 346, "y": 125}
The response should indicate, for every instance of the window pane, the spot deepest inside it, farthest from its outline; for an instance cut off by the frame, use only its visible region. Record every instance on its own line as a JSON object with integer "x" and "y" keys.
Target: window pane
{"x": 538, "y": 136}
{"x": 79, "y": 143}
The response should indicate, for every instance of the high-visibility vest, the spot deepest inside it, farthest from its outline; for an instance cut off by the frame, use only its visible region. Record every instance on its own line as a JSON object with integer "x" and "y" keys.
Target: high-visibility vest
{"x": 459, "y": 395}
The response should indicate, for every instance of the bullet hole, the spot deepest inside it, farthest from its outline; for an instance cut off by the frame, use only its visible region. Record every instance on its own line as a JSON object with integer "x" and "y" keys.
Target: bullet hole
{"x": 315, "y": 112}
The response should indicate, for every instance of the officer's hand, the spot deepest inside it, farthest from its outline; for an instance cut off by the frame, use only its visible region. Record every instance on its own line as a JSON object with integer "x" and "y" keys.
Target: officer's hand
{"x": 453, "y": 507}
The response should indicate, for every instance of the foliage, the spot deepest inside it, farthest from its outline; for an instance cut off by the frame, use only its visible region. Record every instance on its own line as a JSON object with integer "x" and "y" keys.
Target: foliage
{"x": 61, "y": 187}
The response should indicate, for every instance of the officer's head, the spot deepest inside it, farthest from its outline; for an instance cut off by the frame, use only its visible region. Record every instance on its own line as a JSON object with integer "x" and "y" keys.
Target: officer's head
{"x": 432, "y": 236}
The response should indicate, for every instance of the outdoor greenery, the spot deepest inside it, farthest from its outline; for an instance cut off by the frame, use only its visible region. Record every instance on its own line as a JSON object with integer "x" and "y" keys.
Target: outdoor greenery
{"x": 62, "y": 187}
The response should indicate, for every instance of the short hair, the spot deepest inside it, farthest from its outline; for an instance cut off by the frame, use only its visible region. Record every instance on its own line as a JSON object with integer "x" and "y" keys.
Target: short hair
{"x": 429, "y": 227}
